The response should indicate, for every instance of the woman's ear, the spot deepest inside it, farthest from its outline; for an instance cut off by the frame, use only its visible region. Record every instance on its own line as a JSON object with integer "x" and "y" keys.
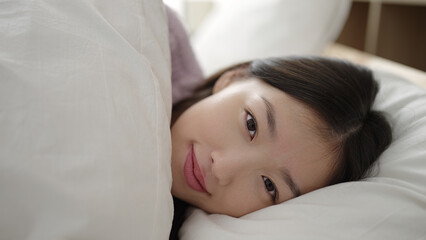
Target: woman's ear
{"x": 224, "y": 81}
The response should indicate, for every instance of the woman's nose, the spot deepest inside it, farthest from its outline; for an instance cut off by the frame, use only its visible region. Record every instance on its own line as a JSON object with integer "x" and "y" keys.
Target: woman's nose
{"x": 227, "y": 166}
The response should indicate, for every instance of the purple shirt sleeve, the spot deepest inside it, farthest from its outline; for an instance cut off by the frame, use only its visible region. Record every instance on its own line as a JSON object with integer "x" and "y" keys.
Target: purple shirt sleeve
{"x": 186, "y": 71}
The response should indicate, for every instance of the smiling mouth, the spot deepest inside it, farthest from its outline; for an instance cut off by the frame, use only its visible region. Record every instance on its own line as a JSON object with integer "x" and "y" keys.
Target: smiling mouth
{"x": 192, "y": 172}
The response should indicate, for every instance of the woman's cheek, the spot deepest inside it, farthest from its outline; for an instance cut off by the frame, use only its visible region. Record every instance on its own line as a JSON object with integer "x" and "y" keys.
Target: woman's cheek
{"x": 219, "y": 125}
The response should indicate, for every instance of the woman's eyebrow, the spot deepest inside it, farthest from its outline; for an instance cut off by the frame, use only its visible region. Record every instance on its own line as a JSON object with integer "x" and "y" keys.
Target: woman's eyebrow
{"x": 290, "y": 182}
{"x": 270, "y": 115}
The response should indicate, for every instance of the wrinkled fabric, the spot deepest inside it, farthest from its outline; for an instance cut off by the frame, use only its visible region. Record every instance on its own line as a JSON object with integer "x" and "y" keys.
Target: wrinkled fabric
{"x": 186, "y": 71}
{"x": 85, "y": 107}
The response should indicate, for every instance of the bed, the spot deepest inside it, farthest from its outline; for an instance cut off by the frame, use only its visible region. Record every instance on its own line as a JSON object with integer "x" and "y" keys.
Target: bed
{"x": 391, "y": 202}
{"x": 85, "y": 105}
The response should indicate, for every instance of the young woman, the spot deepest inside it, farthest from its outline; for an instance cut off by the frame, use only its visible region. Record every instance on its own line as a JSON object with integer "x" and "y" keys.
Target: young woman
{"x": 263, "y": 132}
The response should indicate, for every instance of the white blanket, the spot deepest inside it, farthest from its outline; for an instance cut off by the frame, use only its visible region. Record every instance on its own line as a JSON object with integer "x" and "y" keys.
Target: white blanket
{"x": 85, "y": 104}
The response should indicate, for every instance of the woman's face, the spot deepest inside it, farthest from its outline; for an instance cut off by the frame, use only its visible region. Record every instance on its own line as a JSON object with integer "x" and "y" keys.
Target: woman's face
{"x": 246, "y": 147}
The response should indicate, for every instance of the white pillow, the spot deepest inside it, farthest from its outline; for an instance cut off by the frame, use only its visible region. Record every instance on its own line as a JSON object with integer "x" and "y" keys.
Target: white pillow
{"x": 85, "y": 105}
{"x": 388, "y": 205}
{"x": 241, "y": 30}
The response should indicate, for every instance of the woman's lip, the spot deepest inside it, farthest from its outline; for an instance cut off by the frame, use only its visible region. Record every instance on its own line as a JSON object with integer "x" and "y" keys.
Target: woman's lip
{"x": 192, "y": 172}
{"x": 197, "y": 171}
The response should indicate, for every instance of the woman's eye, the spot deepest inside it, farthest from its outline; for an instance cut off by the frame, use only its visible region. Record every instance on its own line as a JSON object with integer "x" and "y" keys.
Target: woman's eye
{"x": 270, "y": 188}
{"x": 251, "y": 125}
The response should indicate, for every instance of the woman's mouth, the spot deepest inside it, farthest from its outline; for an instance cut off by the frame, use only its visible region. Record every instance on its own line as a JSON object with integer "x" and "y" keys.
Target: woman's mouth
{"x": 192, "y": 172}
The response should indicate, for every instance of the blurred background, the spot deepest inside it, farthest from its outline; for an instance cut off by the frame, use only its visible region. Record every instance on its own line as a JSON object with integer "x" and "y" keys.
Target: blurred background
{"x": 390, "y": 29}
{"x": 393, "y": 29}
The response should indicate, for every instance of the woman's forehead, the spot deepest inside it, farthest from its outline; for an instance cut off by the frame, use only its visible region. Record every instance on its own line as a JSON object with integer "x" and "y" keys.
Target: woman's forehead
{"x": 297, "y": 139}
{"x": 297, "y": 145}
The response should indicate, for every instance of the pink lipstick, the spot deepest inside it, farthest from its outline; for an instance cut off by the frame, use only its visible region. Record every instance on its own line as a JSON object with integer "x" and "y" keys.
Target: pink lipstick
{"x": 192, "y": 172}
